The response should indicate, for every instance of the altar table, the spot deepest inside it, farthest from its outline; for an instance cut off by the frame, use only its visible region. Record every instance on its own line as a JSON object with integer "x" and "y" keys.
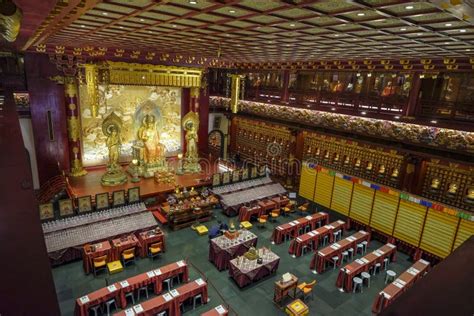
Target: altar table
{"x": 223, "y": 249}
{"x": 124, "y": 243}
{"x": 281, "y": 201}
{"x": 344, "y": 278}
{"x": 400, "y": 285}
{"x": 245, "y": 271}
{"x": 313, "y": 237}
{"x": 292, "y": 228}
{"x": 267, "y": 205}
{"x": 320, "y": 258}
{"x": 149, "y": 237}
{"x": 101, "y": 249}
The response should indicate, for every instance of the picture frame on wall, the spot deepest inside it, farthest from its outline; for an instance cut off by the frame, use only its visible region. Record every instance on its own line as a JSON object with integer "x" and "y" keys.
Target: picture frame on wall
{"x": 102, "y": 201}
{"x": 46, "y": 211}
{"x": 134, "y": 195}
{"x": 245, "y": 174}
{"x": 226, "y": 177}
{"x": 236, "y": 176}
{"x": 84, "y": 204}
{"x": 253, "y": 172}
{"x": 216, "y": 179}
{"x": 66, "y": 207}
{"x": 118, "y": 198}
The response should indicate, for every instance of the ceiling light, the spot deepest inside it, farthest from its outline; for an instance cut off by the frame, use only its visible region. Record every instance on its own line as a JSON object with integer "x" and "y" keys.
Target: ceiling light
{"x": 468, "y": 50}
{"x": 403, "y": 29}
{"x": 363, "y": 113}
{"x": 446, "y": 43}
{"x": 360, "y": 14}
{"x": 409, "y": 7}
{"x": 288, "y": 45}
{"x": 83, "y": 25}
{"x": 174, "y": 25}
{"x": 369, "y": 75}
{"x": 334, "y": 109}
{"x": 193, "y": 2}
{"x": 150, "y": 32}
{"x": 462, "y": 31}
{"x": 336, "y": 35}
{"x": 104, "y": 13}
{"x": 292, "y": 24}
{"x": 121, "y": 27}
{"x": 419, "y": 34}
{"x": 231, "y": 11}
{"x": 397, "y": 117}
{"x": 433, "y": 121}
{"x": 448, "y": 24}
{"x": 142, "y": 20}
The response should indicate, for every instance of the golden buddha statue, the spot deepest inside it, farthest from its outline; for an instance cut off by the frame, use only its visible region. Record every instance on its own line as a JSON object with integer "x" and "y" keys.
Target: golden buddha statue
{"x": 369, "y": 167}
{"x": 111, "y": 127}
{"x": 336, "y": 158}
{"x": 326, "y": 154}
{"x": 318, "y": 152}
{"x": 434, "y": 186}
{"x": 357, "y": 163}
{"x": 394, "y": 174}
{"x": 191, "y": 126}
{"x": 251, "y": 254}
{"x": 452, "y": 189}
{"x": 381, "y": 170}
{"x": 346, "y": 160}
{"x": 149, "y": 136}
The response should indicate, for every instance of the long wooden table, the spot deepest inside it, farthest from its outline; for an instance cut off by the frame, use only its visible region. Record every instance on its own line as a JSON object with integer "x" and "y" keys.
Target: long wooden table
{"x": 119, "y": 289}
{"x": 219, "y": 310}
{"x": 318, "y": 263}
{"x": 169, "y": 302}
{"x": 344, "y": 278}
{"x": 313, "y": 237}
{"x": 400, "y": 285}
{"x": 292, "y": 228}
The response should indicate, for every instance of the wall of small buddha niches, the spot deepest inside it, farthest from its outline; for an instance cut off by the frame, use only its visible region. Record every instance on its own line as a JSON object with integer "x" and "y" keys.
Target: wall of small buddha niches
{"x": 372, "y": 163}
{"x": 449, "y": 183}
{"x": 263, "y": 143}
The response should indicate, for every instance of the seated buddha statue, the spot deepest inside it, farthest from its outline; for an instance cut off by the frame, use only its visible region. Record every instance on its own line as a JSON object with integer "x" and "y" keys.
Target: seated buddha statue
{"x": 251, "y": 254}
{"x": 434, "y": 186}
{"x": 452, "y": 189}
{"x": 470, "y": 196}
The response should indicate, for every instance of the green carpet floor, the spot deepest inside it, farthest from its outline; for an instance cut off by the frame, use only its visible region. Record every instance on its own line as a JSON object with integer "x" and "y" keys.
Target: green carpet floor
{"x": 256, "y": 299}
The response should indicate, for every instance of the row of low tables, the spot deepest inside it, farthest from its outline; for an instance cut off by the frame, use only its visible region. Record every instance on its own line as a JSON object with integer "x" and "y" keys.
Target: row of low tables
{"x": 292, "y": 228}
{"x": 262, "y": 207}
{"x": 118, "y": 290}
{"x": 113, "y": 249}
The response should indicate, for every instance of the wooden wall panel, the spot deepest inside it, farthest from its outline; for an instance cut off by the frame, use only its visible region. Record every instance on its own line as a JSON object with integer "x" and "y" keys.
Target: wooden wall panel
{"x": 361, "y": 206}
{"x": 307, "y": 182}
{"x": 384, "y": 212}
{"x": 342, "y": 194}
{"x": 323, "y": 190}
{"x": 465, "y": 230}
{"x": 438, "y": 233}
{"x": 409, "y": 222}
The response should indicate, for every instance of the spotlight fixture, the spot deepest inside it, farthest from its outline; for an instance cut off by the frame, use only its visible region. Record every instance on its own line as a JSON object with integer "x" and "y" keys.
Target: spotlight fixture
{"x": 397, "y": 117}
{"x": 403, "y": 29}
{"x": 142, "y": 20}
{"x": 174, "y": 25}
{"x": 232, "y": 11}
{"x": 292, "y": 24}
{"x": 363, "y": 113}
{"x": 448, "y": 24}
{"x": 104, "y": 13}
{"x": 409, "y": 7}
{"x": 433, "y": 121}
{"x": 462, "y": 31}
{"x": 360, "y": 14}
{"x": 83, "y": 25}
{"x": 193, "y": 2}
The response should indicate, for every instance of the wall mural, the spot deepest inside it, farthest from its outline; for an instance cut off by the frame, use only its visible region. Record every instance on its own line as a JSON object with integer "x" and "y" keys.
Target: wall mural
{"x": 131, "y": 104}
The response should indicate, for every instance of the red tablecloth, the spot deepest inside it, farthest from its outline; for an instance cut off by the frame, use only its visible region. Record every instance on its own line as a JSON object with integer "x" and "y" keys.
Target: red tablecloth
{"x": 244, "y": 276}
{"x": 217, "y": 311}
{"x": 313, "y": 237}
{"x": 101, "y": 248}
{"x": 149, "y": 237}
{"x": 124, "y": 243}
{"x": 245, "y": 213}
{"x": 292, "y": 228}
{"x": 344, "y": 278}
{"x": 187, "y": 291}
{"x": 94, "y": 298}
{"x": 152, "y": 306}
{"x": 400, "y": 285}
{"x": 320, "y": 258}
{"x": 221, "y": 257}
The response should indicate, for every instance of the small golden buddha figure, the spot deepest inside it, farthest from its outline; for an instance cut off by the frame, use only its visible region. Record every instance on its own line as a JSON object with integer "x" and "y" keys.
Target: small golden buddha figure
{"x": 346, "y": 160}
{"x": 336, "y": 158}
{"x": 452, "y": 189}
{"x": 470, "y": 196}
{"x": 326, "y": 154}
{"x": 381, "y": 171}
{"x": 309, "y": 150}
{"x": 434, "y": 186}
{"x": 357, "y": 163}
{"x": 394, "y": 173}
{"x": 369, "y": 167}
{"x": 318, "y": 152}
{"x": 251, "y": 254}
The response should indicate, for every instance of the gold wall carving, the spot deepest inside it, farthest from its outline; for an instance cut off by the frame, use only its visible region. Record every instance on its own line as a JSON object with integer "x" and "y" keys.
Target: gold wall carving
{"x": 10, "y": 25}
{"x": 73, "y": 128}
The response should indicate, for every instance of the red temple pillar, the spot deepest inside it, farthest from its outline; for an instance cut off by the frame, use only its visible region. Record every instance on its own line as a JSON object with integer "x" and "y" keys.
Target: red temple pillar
{"x": 412, "y": 106}
{"x": 285, "y": 95}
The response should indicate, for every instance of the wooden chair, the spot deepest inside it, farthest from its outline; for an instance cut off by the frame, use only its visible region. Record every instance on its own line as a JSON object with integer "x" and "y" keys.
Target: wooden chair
{"x": 289, "y": 208}
{"x": 154, "y": 250}
{"x": 262, "y": 220}
{"x": 307, "y": 289}
{"x": 128, "y": 256}
{"x": 274, "y": 214}
{"x": 303, "y": 208}
{"x": 99, "y": 263}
